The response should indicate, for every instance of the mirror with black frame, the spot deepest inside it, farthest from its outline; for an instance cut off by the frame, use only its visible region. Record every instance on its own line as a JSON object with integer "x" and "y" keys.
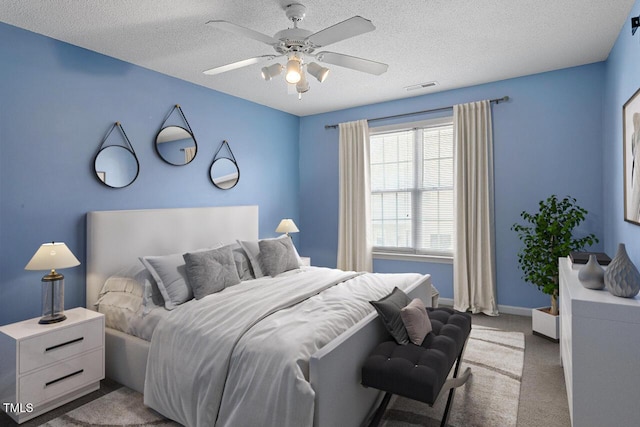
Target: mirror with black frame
{"x": 176, "y": 145}
{"x": 224, "y": 173}
{"x": 116, "y": 165}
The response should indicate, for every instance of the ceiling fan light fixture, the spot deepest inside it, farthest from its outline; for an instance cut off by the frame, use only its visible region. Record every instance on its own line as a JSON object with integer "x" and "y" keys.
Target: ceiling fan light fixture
{"x": 271, "y": 71}
{"x": 294, "y": 71}
{"x": 318, "y": 71}
{"x": 303, "y": 85}
{"x": 298, "y": 45}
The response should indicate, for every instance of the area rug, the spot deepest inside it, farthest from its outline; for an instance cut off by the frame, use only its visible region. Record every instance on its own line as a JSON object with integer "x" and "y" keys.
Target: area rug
{"x": 490, "y": 396}
{"x": 122, "y": 407}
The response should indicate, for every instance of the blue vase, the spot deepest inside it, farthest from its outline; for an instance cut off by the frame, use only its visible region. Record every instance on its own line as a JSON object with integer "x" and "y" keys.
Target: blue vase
{"x": 622, "y": 278}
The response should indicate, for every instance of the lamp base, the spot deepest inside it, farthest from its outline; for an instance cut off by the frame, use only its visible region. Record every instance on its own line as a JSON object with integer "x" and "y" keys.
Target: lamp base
{"x": 58, "y": 317}
{"x": 52, "y": 298}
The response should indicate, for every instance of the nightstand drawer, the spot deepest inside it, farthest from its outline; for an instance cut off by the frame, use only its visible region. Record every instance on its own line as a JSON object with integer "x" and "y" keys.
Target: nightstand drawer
{"x": 62, "y": 378}
{"x": 40, "y": 351}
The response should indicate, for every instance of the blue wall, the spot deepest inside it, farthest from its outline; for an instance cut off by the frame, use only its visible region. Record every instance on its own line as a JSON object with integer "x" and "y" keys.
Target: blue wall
{"x": 622, "y": 80}
{"x": 57, "y": 102}
{"x": 560, "y": 133}
{"x": 547, "y": 140}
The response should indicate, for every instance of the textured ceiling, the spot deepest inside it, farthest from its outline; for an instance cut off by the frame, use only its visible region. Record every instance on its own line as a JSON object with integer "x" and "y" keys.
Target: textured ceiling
{"x": 457, "y": 43}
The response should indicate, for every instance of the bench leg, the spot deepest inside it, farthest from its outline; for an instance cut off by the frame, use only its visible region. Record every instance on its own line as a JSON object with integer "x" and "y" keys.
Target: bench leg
{"x": 377, "y": 417}
{"x": 451, "y": 384}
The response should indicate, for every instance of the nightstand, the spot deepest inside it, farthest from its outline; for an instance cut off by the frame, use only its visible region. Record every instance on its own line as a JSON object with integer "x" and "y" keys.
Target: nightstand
{"x": 45, "y": 366}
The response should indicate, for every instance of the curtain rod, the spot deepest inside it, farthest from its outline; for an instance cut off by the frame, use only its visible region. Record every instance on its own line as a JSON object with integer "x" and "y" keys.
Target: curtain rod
{"x": 433, "y": 110}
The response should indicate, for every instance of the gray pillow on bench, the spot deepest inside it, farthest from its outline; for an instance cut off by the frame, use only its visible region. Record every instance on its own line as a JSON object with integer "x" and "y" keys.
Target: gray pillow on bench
{"x": 389, "y": 311}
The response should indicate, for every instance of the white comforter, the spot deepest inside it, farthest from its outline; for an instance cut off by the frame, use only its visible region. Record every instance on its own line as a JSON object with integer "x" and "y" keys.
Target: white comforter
{"x": 240, "y": 357}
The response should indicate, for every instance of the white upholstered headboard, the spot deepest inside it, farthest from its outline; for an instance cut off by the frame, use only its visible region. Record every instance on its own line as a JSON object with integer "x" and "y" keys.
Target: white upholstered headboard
{"x": 115, "y": 239}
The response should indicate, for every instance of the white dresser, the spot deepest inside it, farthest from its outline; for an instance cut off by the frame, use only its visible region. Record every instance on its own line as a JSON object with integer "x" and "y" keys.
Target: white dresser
{"x": 45, "y": 366}
{"x": 600, "y": 352}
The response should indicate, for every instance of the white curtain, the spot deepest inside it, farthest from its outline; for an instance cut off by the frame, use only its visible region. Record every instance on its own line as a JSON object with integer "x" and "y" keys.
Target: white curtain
{"x": 354, "y": 242}
{"x": 474, "y": 285}
{"x": 189, "y": 154}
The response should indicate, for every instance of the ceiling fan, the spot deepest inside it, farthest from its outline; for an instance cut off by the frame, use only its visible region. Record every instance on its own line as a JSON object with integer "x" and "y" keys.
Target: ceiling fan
{"x": 299, "y": 47}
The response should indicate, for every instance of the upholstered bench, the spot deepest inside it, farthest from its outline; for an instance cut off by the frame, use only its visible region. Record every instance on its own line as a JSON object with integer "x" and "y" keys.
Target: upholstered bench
{"x": 420, "y": 372}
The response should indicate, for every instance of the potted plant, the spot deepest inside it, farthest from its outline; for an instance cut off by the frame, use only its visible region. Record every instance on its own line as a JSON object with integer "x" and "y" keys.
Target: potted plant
{"x": 548, "y": 235}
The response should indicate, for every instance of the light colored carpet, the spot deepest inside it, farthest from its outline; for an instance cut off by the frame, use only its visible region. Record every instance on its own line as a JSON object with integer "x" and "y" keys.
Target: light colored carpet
{"x": 490, "y": 396}
{"x": 122, "y": 407}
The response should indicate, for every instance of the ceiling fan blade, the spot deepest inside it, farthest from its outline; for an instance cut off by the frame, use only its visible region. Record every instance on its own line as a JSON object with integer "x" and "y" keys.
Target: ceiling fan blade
{"x": 355, "y": 63}
{"x": 238, "y": 64}
{"x": 242, "y": 31}
{"x": 343, "y": 30}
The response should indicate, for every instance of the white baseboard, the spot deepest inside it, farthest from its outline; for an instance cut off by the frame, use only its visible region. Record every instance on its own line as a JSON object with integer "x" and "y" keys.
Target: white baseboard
{"x": 506, "y": 309}
{"x": 511, "y": 309}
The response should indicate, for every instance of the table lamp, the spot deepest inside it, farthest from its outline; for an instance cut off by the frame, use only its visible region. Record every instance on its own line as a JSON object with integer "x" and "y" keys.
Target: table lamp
{"x": 287, "y": 226}
{"x": 52, "y": 256}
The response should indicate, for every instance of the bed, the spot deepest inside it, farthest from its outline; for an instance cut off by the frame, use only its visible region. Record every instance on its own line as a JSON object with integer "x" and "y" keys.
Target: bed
{"x": 115, "y": 241}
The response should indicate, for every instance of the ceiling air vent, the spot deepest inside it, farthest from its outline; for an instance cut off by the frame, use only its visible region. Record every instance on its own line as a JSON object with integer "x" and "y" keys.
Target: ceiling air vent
{"x": 420, "y": 86}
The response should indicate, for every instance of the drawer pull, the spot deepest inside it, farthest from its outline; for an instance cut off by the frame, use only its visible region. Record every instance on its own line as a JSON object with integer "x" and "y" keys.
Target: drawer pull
{"x": 63, "y": 344}
{"x": 64, "y": 378}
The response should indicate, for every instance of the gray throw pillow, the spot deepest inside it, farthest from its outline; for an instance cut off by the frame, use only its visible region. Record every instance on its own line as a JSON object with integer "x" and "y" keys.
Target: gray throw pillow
{"x": 416, "y": 321}
{"x": 277, "y": 256}
{"x": 211, "y": 271}
{"x": 243, "y": 264}
{"x": 252, "y": 249}
{"x": 169, "y": 273}
{"x": 389, "y": 312}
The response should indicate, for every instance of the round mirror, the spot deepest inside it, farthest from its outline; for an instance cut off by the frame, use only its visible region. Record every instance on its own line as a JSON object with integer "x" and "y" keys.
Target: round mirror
{"x": 176, "y": 145}
{"x": 116, "y": 166}
{"x": 224, "y": 173}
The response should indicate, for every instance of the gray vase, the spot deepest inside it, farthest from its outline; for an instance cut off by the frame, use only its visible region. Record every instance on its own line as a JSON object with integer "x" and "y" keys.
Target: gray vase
{"x": 592, "y": 275}
{"x": 622, "y": 278}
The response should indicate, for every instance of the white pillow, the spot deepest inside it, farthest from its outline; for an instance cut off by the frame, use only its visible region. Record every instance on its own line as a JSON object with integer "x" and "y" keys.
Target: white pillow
{"x": 136, "y": 281}
{"x": 118, "y": 283}
{"x": 119, "y": 308}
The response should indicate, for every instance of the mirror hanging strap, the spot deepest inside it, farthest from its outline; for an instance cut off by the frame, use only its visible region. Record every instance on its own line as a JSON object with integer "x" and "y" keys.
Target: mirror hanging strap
{"x": 184, "y": 118}
{"x": 127, "y": 144}
{"x": 225, "y": 143}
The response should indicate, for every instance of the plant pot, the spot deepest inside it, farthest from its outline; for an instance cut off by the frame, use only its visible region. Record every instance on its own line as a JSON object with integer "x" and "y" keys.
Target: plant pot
{"x": 544, "y": 324}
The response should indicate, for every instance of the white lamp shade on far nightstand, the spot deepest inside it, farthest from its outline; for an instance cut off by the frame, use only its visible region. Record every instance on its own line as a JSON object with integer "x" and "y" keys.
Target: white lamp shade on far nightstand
{"x": 287, "y": 226}
{"x": 49, "y": 257}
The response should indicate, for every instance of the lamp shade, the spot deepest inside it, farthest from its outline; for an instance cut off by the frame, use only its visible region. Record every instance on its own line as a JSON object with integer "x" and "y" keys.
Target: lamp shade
{"x": 303, "y": 85}
{"x": 271, "y": 71}
{"x": 318, "y": 71}
{"x": 287, "y": 226}
{"x": 51, "y": 256}
{"x": 293, "y": 71}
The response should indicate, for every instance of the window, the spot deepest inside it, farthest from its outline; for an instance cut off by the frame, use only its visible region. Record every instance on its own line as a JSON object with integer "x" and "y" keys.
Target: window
{"x": 412, "y": 188}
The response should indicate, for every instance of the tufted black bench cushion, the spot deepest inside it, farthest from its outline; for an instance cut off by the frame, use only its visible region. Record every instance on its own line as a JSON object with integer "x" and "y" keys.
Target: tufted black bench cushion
{"x": 419, "y": 372}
